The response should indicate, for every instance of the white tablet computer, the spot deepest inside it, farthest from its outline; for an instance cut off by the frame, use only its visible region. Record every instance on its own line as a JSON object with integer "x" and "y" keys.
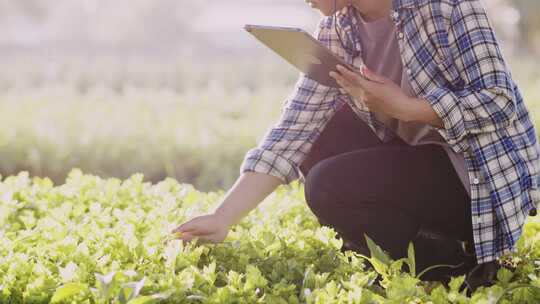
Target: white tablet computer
{"x": 300, "y": 49}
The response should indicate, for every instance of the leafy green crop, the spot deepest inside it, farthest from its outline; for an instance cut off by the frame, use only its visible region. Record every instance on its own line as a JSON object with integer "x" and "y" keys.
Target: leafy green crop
{"x": 94, "y": 240}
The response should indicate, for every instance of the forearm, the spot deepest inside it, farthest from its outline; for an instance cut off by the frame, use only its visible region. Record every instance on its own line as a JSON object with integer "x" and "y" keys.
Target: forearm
{"x": 249, "y": 190}
{"x": 421, "y": 111}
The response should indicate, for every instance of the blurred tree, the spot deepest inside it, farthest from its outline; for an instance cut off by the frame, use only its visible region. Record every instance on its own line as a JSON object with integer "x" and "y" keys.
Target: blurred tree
{"x": 33, "y": 9}
{"x": 505, "y": 17}
{"x": 148, "y": 25}
{"x": 517, "y": 22}
{"x": 530, "y": 21}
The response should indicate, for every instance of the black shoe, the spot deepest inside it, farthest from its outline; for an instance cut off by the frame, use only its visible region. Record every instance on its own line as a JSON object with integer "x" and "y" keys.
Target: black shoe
{"x": 468, "y": 264}
{"x": 484, "y": 274}
{"x": 441, "y": 250}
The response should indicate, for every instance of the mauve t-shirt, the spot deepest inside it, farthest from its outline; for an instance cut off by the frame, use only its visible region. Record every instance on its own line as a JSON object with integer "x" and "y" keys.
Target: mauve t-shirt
{"x": 380, "y": 52}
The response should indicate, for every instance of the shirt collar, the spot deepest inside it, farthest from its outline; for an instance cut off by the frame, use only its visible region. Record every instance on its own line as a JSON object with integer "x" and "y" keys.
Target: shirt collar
{"x": 347, "y": 23}
{"x": 396, "y": 6}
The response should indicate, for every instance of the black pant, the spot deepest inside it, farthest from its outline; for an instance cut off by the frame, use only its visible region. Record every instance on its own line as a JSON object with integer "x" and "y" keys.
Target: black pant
{"x": 357, "y": 184}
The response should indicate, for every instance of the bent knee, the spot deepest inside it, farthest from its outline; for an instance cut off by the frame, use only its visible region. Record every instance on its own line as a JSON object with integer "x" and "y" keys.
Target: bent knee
{"x": 317, "y": 188}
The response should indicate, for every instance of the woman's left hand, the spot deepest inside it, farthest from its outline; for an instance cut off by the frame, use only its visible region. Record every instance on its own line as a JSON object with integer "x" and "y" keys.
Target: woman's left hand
{"x": 379, "y": 93}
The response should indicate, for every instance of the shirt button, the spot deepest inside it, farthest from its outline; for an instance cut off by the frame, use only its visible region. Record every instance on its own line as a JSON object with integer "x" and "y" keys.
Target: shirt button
{"x": 395, "y": 15}
{"x": 400, "y": 35}
{"x": 409, "y": 72}
{"x": 476, "y": 181}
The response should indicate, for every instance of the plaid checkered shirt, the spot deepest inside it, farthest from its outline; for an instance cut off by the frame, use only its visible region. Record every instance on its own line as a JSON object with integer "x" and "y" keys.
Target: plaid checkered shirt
{"x": 454, "y": 62}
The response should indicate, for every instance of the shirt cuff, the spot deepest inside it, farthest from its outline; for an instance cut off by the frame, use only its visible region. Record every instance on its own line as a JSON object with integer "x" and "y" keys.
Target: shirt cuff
{"x": 444, "y": 104}
{"x": 268, "y": 162}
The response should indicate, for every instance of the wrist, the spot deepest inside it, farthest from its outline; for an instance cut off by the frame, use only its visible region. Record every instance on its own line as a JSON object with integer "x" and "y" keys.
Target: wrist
{"x": 411, "y": 111}
{"x": 419, "y": 110}
{"x": 224, "y": 217}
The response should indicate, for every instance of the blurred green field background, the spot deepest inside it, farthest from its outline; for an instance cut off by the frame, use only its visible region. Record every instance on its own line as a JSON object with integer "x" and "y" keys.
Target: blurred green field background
{"x": 197, "y": 134}
{"x": 197, "y": 131}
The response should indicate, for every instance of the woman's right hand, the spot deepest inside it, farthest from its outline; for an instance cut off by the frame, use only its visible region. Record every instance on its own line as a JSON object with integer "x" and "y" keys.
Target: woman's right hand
{"x": 212, "y": 227}
{"x": 247, "y": 192}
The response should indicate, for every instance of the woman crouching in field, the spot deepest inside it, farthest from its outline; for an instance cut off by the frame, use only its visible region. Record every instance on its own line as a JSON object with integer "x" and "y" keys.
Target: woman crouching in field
{"x": 433, "y": 137}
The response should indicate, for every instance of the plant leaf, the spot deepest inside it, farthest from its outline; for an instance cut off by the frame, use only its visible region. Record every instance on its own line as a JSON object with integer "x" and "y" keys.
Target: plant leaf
{"x": 143, "y": 300}
{"x": 504, "y": 276}
{"x": 105, "y": 282}
{"x": 377, "y": 252}
{"x": 135, "y": 289}
{"x": 149, "y": 299}
{"x": 411, "y": 259}
{"x": 380, "y": 267}
{"x": 65, "y": 291}
{"x": 456, "y": 282}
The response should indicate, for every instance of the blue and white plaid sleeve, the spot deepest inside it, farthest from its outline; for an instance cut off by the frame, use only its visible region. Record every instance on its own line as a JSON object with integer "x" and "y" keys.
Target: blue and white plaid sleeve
{"x": 484, "y": 100}
{"x": 303, "y": 116}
